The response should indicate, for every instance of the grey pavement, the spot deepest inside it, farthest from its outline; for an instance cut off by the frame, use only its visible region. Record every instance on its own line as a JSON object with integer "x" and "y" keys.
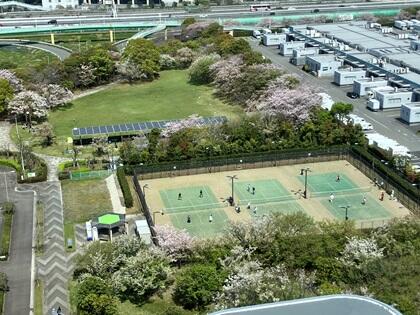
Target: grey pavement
{"x": 384, "y": 122}
{"x": 54, "y": 267}
{"x": 58, "y": 51}
{"x": 5, "y": 141}
{"x": 18, "y": 266}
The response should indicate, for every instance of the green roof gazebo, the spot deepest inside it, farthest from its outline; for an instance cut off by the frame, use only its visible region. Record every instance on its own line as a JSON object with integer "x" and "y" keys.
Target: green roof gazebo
{"x": 112, "y": 222}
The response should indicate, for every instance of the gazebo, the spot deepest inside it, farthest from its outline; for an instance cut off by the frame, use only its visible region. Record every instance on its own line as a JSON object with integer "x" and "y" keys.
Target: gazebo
{"x": 109, "y": 224}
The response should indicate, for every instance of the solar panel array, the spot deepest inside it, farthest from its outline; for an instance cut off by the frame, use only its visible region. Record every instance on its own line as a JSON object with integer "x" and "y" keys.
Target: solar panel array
{"x": 139, "y": 127}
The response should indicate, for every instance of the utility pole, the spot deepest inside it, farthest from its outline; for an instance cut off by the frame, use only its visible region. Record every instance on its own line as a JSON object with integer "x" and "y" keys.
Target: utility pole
{"x": 347, "y": 209}
{"x": 304, "y": 171}
{"x": 20, "y": 147}
{"x": 232, "y": 178}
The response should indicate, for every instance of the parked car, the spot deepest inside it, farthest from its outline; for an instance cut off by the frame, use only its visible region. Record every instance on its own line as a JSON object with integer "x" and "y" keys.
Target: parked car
{"x": 352, "y": 95}
{"x": 53, "y": 22}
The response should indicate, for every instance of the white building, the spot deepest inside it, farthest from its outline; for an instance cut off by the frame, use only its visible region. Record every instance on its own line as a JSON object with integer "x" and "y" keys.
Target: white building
{"x": 143, "y": 231}
{"x": 348, "y": 75}
{"x": 410, "y": 113}
{"x": 299, "y": 55}
{"x": 273, "y": 39}
{"x": 323, "y": 65}
{"x": 400, "y": 25}
{"x": 390, "y": 97}
{"x": 387, "y": 146}
{"x": 415, "y": 45}
{"x": 59, "y": 4}
{"x": 286, "y": 49}
{"x": 361, "y": 87}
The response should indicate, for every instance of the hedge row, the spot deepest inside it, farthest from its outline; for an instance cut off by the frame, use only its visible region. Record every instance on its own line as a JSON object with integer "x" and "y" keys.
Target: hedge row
{"x": 128, "y": 198}
{"x": 13, "y": 162}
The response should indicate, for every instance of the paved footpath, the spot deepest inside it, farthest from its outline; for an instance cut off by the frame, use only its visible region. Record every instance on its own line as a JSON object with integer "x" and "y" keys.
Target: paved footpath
{"x": 55, "y": 267}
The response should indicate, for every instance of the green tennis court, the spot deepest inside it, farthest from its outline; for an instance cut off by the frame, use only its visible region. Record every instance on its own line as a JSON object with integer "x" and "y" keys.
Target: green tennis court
{"x": 200, "y": 225}
{"x": 287, "y": 207}
{"x": 266, "y": 191}
{"x": 327, "y": 182}
{"x": 197, "y": 207}
{"x": 372, "y": 210}
{"x": 190, "y": 199}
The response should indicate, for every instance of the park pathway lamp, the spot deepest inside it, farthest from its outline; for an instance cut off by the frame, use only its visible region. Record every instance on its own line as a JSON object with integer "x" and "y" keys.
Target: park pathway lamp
{"x": 304, "y": 171}
{"x": 232, "y": 178}
{"x": 347, "y": 211}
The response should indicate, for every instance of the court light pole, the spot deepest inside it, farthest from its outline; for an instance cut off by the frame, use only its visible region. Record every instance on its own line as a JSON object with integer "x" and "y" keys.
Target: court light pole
{"x": 144, "y": 190}
{"x": 304, "y": 171}
{"x": 154, "y": 213}
{"x": 347, "y": 210}
{"x": 232, "y": 178}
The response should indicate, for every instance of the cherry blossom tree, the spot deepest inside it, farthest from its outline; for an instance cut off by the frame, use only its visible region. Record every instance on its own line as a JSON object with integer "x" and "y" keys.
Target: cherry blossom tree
{"x": 130, "y": 71}
{"x": 173, "y": 127}
{"x": 167, "y": 62}
{"x": 359, "y": 251}
{"x": 86, "y": 74}
{"x": 177, "y": 244}
{"x": 28, "y": 104}
{"x": 225, "y": 72}
{"x": 184, "y": 57}
{"x": 13, "y": 80}
{"x": 56, "y": 95}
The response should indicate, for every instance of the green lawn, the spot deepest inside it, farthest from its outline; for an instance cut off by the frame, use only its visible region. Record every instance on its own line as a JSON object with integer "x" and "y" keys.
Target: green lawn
{"x": 21, "y": 57}
{"x": 83, "y": 200}
{"x": 6, "y": 230}
{"x": 169, "y": 97}
{"x": 39, "y": 292}
{"x": 69, "y": 234}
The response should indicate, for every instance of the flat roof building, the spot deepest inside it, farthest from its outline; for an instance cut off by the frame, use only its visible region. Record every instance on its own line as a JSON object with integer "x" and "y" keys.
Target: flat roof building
{"x": 323, "y": 65}
{"x": 286, "y": 48}
{"x": 348, "y": 75}
{"x": 410, "y": 113}
{"x": 273, "y": 39}
{"x": 390, "y": 97}
{"x": 299, "y": 55}
{"x": 363, "y": 86}
{"x": 342, "y": 304}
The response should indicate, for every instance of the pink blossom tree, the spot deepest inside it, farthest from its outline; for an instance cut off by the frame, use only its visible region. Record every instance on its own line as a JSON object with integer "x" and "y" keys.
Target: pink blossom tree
{"x": 56, "y": 95}
{"x": 173, "y": 127}
{"x": 28, "y": 104}
{"x": 13, "y": 80}
{"x": 177, "y": 244}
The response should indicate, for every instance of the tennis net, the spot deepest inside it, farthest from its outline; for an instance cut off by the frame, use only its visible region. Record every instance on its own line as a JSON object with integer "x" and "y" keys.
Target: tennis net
{"x": 192, "y": 208}
{"x": 353, "y": 191}
{"x": 244, "y": 202}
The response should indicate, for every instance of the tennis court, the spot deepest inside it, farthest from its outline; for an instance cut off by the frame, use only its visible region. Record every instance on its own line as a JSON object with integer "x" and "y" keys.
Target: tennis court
{"x": 371, "y": 210}
{"x": 277, "y": 190}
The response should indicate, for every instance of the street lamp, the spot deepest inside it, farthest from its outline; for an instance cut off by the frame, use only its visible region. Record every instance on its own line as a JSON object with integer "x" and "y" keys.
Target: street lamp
{"x": 154, "y": 217}
{"x": 347, "y": 210}
{"x": 232, "y": 178}
{"x": 304, "y": 171}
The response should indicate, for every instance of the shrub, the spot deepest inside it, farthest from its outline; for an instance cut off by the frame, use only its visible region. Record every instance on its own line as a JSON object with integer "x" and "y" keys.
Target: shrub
{"x": 128, "y": 198}
{"x": 199, "y": 71}
{"x": 197, "y": 285}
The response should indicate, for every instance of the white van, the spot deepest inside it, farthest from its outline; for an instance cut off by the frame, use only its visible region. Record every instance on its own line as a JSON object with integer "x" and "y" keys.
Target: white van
{"x": 256, "y": 34}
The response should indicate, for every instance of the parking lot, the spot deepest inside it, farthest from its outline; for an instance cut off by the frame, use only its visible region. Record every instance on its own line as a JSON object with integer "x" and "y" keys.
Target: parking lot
{"x": 386, "y": 123}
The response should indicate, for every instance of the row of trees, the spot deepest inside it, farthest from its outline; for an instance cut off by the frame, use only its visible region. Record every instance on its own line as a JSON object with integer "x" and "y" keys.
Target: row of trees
{"x": 270, "y": 259}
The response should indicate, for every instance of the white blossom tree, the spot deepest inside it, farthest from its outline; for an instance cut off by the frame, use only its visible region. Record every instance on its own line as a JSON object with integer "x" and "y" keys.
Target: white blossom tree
{"x": 167, "y": 62}
{"x": 184, "y": 57}
{"x": 173, "y": 127}
{"x": 141, "y": 276}
{"x": 28, "y": 104}
{"x": 56, "y": 95}
{"x": 86, "y": 74}
{"x": 359, "y": 251}
{"x": 177, "y": 244}
{"x": 13, "y": 80}
{"x": 130, "y": 71}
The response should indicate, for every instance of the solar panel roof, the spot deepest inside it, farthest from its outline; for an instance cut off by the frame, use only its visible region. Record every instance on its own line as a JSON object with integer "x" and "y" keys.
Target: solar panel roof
{"x": 138, "y": 126}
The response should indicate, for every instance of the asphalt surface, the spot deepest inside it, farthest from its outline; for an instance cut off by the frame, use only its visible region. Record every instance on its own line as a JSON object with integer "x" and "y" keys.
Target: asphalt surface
{"x": 383, "y": 122}
{"x": 57, "y": 51}
{"x": 18, "y": 267}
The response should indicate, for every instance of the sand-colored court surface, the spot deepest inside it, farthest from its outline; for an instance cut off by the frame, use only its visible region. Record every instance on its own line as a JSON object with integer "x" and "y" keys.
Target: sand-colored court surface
{"x": 199, "y": 204}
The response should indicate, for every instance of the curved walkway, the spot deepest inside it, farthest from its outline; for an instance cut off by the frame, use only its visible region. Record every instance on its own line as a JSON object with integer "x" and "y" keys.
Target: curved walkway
{"x": 59, "y": 51}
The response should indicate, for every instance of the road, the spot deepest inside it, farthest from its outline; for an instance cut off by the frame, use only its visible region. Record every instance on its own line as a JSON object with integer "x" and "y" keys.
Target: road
{"x": 18, "y": 267}
{"x": 61, "y": 53}
{"x": 385, "y": 123}
{"x": 214, "y": 13}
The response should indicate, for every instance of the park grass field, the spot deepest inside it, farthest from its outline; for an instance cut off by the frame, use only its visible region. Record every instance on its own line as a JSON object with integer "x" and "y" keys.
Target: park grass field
{"x": 169, "y": 97}
{"x": 277, "y": 190}
{"x": 14, "y": 58}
